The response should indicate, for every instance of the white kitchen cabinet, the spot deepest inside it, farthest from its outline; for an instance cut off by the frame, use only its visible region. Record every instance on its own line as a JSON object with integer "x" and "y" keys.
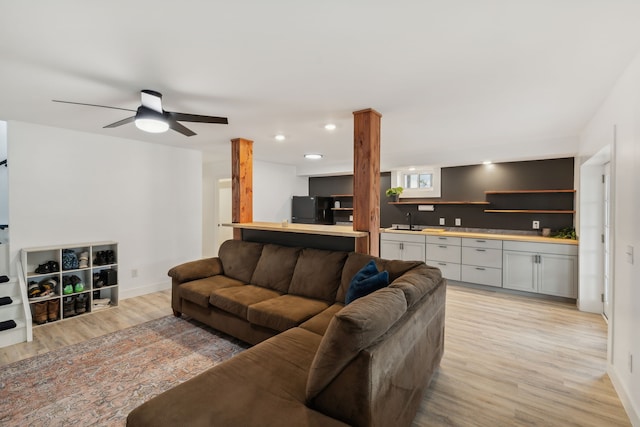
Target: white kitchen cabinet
{"x": 545, "y": 268}
{"x": 482, "y": 261}
{"x": 406, "y": 247}
{"x": 444, "y": 252}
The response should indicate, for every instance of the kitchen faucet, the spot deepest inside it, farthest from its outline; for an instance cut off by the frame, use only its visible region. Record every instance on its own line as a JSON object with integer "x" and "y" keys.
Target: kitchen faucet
{"x": 409, "y": 216}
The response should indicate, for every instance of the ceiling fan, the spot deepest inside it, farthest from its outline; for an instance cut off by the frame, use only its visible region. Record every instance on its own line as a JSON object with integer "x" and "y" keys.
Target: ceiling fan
{"x": 151, "y": 117}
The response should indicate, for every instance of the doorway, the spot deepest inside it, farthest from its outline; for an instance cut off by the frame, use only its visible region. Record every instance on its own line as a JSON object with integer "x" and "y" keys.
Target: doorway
{"x": 224, "y": 211}
{"x": 606, "y": 240}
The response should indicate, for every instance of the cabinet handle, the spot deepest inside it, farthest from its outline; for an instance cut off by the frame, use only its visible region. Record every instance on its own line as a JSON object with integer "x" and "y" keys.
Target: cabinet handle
{"x": 481, "y": 250}
{"x": 442, "y": 263}
{"x": 442, "y": 238}
{"x": 443, "y": 246}
{"x": 480, "y": 268}
{"x": 401, "y": 246}
{"x": 481, "y": 241}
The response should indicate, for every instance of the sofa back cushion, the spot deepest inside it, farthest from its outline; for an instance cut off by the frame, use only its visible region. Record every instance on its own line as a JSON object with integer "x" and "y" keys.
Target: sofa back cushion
{"x": 352, "y": 329}
{"x": 239, "y": 258}
{"x": 275, "y": 267}
{"x": 317, "y": 274}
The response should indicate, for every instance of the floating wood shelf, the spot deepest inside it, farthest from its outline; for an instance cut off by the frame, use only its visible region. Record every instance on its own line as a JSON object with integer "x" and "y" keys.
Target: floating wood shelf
{"x": 439, "y": 203}
{"x": 341, "y": 209}
{"x": 341, "y": 195}
{"x": 527, "y": 191}
{"x": 541, "y": 211}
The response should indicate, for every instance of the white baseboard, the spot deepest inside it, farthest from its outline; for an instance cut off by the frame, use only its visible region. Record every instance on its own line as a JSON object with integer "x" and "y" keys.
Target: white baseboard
{"x": 144, "y": 290}
{"x": 629, "y": 405}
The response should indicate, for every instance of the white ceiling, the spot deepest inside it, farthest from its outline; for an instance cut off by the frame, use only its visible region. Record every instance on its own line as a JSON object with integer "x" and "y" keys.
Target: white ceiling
{"x": 457, "y": 81}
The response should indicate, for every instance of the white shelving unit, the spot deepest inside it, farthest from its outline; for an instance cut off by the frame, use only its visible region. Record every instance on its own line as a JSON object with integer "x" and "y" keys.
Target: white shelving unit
{"x": 98, "y": 279}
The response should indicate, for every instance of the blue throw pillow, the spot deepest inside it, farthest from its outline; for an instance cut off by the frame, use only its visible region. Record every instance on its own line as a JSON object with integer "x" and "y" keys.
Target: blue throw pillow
{"x": 367, "y": 280}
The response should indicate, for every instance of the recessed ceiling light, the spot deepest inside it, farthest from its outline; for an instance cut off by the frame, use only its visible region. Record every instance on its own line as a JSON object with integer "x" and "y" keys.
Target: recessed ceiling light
{"x": 412, "y": 168}
{"x": 280, "y": 137}
{"x": 330, "y": 126}
{"x": 487, "y": 162}
{"x": 313, "y": 156}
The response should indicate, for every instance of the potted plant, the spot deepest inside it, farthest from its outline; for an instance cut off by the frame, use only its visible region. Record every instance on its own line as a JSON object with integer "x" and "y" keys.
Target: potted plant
{"x": 394, "y": 193}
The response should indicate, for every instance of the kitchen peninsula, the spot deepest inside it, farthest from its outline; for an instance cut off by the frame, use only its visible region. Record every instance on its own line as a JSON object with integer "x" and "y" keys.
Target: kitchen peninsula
{"x": 334, "y": 237}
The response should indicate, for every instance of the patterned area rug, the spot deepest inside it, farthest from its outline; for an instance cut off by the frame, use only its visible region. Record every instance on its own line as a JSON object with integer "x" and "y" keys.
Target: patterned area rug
{"x": 99, "y": 381}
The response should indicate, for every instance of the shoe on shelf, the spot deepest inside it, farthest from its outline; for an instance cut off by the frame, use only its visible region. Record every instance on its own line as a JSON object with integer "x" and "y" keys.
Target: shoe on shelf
{"x": 83, "y": 260}
{"x": 44, "y": 268}
{"x": 54, "y": 266}
{"x": 53, "y": 310}
{"x": 33, "y": 290}
{"x": 101, "y": 258}
{"x": 40, "y": 312}
{"x": 110, "y": 257}
{"x": 81, "y": 303}
{"x": 67, "y": 286}
{"x": 98, "y": 281}
{"x": 69, "y": 307}
{"x": 48, "y": 287}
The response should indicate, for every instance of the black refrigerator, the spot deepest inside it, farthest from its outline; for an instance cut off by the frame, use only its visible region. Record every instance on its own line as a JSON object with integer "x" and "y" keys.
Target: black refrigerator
{"x": 312, "y": 210}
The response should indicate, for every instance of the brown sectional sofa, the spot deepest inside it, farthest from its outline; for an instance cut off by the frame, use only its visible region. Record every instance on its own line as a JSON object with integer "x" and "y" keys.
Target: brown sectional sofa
{"x": 315, "y": 362}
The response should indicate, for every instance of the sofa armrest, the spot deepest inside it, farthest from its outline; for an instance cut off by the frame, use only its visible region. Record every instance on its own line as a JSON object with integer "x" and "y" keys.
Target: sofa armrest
{"x": 198, "y": 269}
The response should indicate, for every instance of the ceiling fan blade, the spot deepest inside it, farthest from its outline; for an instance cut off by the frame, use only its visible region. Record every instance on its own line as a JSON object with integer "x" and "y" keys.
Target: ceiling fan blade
{"x": 180, "y": 128}
{"x": 93, "y": 105}
{"x": 151, "y": 99}
{"x": 121, "y": 122}
{"x": 184, "y": 117}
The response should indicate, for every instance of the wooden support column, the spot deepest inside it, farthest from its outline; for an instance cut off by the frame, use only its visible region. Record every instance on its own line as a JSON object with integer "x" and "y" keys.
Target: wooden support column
{"x": 241, "y": 183}
{"x": 366, "y": 179}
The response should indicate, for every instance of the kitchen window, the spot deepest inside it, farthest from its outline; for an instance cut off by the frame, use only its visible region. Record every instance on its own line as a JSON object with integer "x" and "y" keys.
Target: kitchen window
{"x": 422, "y": 182}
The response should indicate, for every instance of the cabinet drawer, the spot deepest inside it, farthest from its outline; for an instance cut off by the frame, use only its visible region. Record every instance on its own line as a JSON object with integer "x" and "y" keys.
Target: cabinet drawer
{"x": 482, "y": 257}
{"x": 482, "y": 243}
{"x": 445, "y": 253}
{"x": 450, "y": 270}
{"x": 443, "y": 240}
{"x": 401, "y": 237}
{"x": 481, "y": 275}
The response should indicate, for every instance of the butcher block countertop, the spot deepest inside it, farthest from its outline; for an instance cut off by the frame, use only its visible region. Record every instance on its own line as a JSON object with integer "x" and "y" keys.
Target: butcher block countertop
{"x": 325, "y": 230}
{"x": 476, "y": 235}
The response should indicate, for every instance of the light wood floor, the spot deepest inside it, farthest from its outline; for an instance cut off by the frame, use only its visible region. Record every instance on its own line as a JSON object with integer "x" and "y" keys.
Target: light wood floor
{"x": 509, "y": 360}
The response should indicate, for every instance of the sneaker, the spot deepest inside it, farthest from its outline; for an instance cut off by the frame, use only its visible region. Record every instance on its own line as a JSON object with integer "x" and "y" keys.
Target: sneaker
{"x": 54, "y": 266}
{"x": 98, "y": 282}
{"x": 43, "y": 268}
{"x": 34, "y": 290}
{"x": 47, "y": 287}
{"x": 67, "y": 286}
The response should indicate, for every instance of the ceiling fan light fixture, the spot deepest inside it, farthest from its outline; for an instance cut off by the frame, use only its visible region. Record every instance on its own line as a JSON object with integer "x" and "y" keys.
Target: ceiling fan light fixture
{"x": 151, "y": 121}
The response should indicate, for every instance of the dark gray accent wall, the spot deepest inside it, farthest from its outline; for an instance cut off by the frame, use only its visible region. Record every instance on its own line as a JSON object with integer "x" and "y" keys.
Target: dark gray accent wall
{"x": 469, "y": 183}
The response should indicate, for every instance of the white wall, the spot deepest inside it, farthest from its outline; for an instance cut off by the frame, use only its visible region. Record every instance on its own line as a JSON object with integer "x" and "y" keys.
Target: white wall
{"x": 622, "y": 111}
{"x": 73, "y": 187}
{"x": 273, "y": 186}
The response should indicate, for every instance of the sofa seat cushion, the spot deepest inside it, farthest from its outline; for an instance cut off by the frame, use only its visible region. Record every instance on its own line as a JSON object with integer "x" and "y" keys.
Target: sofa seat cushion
{"x": 262, "y": 386}
{"x": 275, "y": 267}
{"x": 320, "y": 322}
{"x": 317, "y": 274}
{"x": 237, "y": 299}
{"x": 199, "y": 291}
{"x": 284, "y": 312}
